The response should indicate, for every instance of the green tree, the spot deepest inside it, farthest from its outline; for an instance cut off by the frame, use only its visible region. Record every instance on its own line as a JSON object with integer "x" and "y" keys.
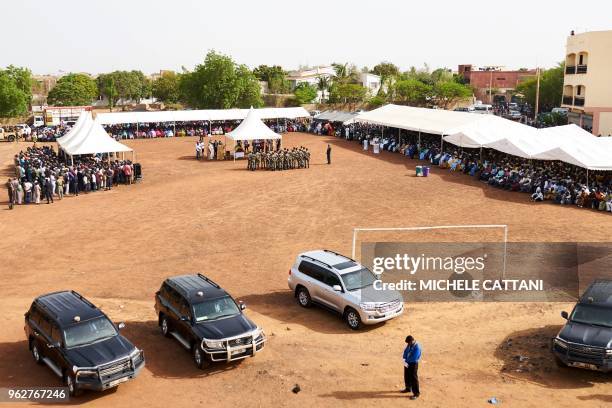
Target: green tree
{"x": 412, "y": 92}
{"x": 73, "y": 90}
{"x": 447, "y": 93}
{"x": 22, "y": 78}
{"x": 551, "y": 87}
{"x": 305, "y": 93}
{"x": 386, "y": 69}
{"x": 275, "y": 76}
{"x": 126, "y": 85}
{"x": 220, "y": 83}
{"x": 14, "y": 100}
{"x": 166, "y": 87}
{"x": 348, "y": 93}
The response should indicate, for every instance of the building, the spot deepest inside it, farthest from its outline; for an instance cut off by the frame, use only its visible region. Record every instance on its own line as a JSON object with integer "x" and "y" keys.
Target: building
{"x": 587, "y": 85}
{"x": 370, "y": 81}
{"x": 494, "y": 78}
{"x": 312, "y": 75}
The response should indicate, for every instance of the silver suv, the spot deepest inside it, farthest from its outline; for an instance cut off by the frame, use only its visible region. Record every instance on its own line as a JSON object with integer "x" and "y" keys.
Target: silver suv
{"x": 343, "y": 285}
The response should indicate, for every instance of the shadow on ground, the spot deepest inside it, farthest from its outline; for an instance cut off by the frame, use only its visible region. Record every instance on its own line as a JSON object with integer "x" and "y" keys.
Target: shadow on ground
{"x": 526, "y": 356}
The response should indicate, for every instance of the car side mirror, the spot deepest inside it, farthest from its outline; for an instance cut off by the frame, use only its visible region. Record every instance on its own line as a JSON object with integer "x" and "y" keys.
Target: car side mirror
{"x": 242, "y": 305}
{"x": 564, "y": 315}
{"x": 184, "y": 318}
{"x": 121, "y": 326}
{"x": 337, "y": 288}
{"x": 53, "y": 345}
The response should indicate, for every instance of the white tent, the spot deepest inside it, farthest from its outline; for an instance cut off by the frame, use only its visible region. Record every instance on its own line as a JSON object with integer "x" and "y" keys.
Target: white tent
{"x": 89, "y": 137}
{"x": 204, "y": 115}
{"x": 252, "y": 128}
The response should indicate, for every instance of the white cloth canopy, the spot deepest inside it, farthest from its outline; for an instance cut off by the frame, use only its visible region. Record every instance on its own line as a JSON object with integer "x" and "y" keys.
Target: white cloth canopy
{"x": 569, "y": 143}
{"x": 252, "y": 128}
{"x": 336, "y": 116}
{"x": 198, "y": 115}
{"x": 89, "y": 137}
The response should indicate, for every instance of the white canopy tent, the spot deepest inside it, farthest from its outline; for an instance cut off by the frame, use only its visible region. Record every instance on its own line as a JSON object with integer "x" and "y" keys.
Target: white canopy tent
{"x": 570, "y": 144}
{"x": 252, "y": 128}
{"x": 206, "y": 115}
{"x": 89, "y": 137}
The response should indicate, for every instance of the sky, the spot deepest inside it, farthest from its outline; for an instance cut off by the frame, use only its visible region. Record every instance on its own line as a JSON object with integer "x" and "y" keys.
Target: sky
{"x": 54, "y": 36}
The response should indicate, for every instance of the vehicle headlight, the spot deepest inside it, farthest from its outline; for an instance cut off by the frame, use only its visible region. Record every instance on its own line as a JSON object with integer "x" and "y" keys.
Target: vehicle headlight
{"x": 258, "y": 334}
{"x": 136, "y": 355}
{"x": 368, "y": 306}
{"x": 86, "y": 373}
{"x": 560, "y": 343}
{"x": 609, "y": 352}
{"x": 214, "y": 344}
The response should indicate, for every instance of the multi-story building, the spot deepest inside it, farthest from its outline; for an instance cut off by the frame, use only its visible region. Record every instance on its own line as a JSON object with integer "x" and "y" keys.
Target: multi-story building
{"x": 494, "y": 80}
{"x": 311, "y": 76}
{"x": 587, "y": 85}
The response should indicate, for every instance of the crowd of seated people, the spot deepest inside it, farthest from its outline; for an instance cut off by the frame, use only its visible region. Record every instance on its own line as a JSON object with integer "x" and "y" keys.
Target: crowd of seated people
{"x": 40, "y": 173}
{"x": 551, "y": 181}
{"x": 181, "y": 129}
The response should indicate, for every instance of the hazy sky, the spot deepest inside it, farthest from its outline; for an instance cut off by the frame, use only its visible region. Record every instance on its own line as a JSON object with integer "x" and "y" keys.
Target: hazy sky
{"x": 100, "y": 36}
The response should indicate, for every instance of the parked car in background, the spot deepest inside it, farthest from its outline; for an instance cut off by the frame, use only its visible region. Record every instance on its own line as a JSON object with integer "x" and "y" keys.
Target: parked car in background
{"x": 483, "y": 109}
{"x": 586, "y": 339}
{"x": 79, "y": 343}
{"x": 344, "y": 286}
{"x": 514, "y": 115}
{"x": 206, "y": 320}
{"x": 6, "y": 135}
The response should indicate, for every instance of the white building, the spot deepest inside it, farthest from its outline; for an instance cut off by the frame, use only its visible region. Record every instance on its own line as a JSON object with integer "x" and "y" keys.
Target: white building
{"x": 311, "y": 76}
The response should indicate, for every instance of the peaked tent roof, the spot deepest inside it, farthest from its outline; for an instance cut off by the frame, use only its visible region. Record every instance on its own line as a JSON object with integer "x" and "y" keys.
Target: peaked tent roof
{"x": 89, "y": 137}
{"x": 252, "y": 128}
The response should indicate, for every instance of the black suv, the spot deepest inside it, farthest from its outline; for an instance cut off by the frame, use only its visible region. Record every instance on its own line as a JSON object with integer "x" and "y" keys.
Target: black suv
{"x": 586, "y": 339}
{"x": 206, "y": 320}
{"x": 79, "y": 343}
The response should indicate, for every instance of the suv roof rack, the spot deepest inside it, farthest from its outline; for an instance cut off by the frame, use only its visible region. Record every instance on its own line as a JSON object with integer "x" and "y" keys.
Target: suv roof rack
{"x": 87, "y": 302}
{"x": 343, "y": 256}
{"x": 316, "y": 260}
{"x": 207, "y": 279}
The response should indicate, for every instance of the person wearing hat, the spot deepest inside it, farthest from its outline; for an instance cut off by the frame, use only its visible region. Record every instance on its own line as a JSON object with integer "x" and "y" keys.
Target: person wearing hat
{"x": 412, "y": 355}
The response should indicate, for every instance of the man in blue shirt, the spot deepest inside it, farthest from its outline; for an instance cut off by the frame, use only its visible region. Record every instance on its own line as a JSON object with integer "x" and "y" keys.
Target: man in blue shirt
{"x": 412, "y": 355}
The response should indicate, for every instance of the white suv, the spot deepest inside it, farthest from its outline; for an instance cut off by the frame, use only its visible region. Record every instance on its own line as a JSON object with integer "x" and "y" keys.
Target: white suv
{"x": 343, "y": 285}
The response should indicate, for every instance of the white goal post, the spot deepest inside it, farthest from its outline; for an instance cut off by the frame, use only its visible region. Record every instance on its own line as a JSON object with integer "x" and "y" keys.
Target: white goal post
{"x": 437, "y": 227}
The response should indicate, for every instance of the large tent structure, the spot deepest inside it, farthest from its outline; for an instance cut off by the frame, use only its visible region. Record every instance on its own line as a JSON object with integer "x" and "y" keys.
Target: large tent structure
{"x": 336, "y": 116}
{"x": 252, "y": 128}
{"x": 207, "y": 115}
{"x": 569, "y": 143}
{"x": 88, "y": 136}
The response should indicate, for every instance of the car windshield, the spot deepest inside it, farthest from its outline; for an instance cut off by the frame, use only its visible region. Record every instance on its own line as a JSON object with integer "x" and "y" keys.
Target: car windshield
{"x": 590, "y": 314}
{"x": 215, "y": 309}
{"x": 358, "y": 279}
{"x": 89, "y": 331}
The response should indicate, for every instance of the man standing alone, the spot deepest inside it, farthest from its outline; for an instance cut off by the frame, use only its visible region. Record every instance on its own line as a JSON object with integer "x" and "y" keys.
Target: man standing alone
{"x": 328, "y": 154}
{"x": 412, "y": 355}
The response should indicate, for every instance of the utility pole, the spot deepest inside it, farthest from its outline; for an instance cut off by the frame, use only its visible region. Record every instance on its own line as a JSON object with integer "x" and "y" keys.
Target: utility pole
{"x": 537, "y": 98}
{"x": 491, "y": 88}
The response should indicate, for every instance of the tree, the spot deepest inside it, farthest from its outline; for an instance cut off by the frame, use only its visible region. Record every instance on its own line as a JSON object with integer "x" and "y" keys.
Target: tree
{"x": 73, "y": 90}
{"x": 22, "y": 78}
{"x": 412, "y": 92}
{"x": 551, "y": 87}
{"x": 385, "y": 70}
{"x": 347, "y": 93}
{"x": 220, "y": 83}
{"x": 14, "y": 101}
{"x": 447, "y": 93}
{"x": 275, "y": 76}
{"x": 305, "y": 93}
{"x": 126, "y": 85}
{"x": 166, "y": 87}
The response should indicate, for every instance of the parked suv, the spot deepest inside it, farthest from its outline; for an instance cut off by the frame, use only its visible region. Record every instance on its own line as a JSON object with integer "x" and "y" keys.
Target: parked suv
{"x": 79, "y": 343}
{"x": 206, "y": 320}
{"x": 343, "y": 285}
{"x": 586, "y": 339}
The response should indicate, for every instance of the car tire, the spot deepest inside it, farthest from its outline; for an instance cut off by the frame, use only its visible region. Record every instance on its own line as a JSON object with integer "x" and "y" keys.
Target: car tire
{"x": 36, "y": 353}
{"x": 199, "y": 358}
{"x": 164, "y": 326}
{"x": 303, "y": 297}
{"x": 11, "y": 138}
{"x": 69, "y": 382}
{"x": 352, "y": 318}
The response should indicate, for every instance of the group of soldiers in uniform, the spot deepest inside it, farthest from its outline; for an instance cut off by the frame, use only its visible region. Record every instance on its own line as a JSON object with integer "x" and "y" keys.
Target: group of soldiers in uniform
{"x": 285, "y": 159}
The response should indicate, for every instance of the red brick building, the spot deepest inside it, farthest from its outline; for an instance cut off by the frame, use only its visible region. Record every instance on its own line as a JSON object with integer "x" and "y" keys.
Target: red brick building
{"x": 500, "y": 81}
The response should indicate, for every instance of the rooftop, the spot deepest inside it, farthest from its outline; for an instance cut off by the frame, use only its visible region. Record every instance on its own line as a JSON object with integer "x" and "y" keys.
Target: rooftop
{"x": 65, "y": 305}
{"x": 190, "y": 286}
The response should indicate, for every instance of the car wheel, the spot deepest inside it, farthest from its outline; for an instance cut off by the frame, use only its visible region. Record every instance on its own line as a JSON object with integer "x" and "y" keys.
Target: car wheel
{"x": 72, "y": 388}
{"x": 11, "y": 138}
{"x": 303, "y": 297}
{"x": 198, "y": 357}
{"x": 165, "y": 326}
{"x": 36, "y": 354}
{"x": 352, "y": 319}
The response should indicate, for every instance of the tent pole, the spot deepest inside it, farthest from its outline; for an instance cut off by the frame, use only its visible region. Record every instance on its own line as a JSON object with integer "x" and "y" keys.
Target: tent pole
{"x": 587, "y": 177}
{"x": 419, "y": 144}
{"x": 441, "y": 143}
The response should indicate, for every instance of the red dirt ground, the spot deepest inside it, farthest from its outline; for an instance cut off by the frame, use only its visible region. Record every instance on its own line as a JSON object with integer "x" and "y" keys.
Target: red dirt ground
{"x": 244, "y": 229}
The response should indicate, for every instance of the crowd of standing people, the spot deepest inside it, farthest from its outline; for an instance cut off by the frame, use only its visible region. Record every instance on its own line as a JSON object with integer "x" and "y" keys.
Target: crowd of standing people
{"x": 40, "y": 174}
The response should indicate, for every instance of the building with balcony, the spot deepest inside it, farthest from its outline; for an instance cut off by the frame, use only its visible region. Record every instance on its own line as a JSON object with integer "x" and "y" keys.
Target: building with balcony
{"x": 587, "y": 84}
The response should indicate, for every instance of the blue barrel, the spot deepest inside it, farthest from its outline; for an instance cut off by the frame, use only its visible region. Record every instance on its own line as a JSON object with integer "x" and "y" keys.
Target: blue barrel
{"x": 425, "y": 171}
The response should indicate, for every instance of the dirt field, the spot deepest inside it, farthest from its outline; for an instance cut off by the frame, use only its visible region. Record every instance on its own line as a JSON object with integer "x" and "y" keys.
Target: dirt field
{"x": 244, "y": 229}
